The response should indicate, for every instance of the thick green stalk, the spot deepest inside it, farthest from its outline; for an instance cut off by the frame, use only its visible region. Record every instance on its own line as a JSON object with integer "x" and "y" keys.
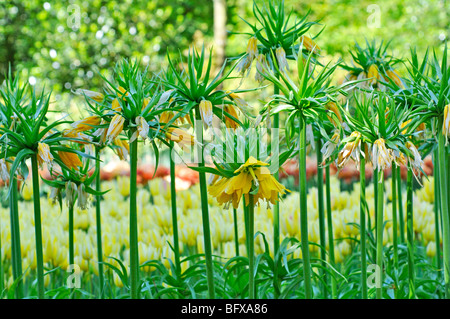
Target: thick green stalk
{"x": 330, "y": 231}
{"x": 98, "y": 220}
{"x": 362, "y": 222}
{"x": 38, "y": 226}
{"x": 303, "y": 210}
{"x": 173, "y": 199}
{"x": 251, "y": 246}
{"x": 246, "y": 224}
{"x": 400, "y": 206}
{"x": 134, "y": 252}
{"x": 321, "y": 214}
{"x": 205, "y": 209}
{"x": 276, "y": 208}
{"x": 236, "y": 232}
{"x": 437, "y": 219}
{"x": 16, "y": 253}
{"x": 443, "y": 183}
{"x": 71, "y": 244}
{"x": 379, "y": 230}
{"x": 394, "y": 214}
{"x": 410, "y": 234}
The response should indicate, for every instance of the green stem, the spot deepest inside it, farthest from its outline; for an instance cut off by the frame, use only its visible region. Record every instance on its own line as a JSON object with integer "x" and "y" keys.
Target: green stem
{"x": 444, "y": 209}
{"x": 205, "y": 209}
{"x": 98, "y": 220}
{"x": 276, "y": 209}
{"x": 321, "y": 213}
{"x": 236, "y": 232}
{"x": 379, "y": 231}
{"x": 246, "y": 225}
{"x": 362, "y": 217}
{"x": 330, "y": 231}
{"x": 16, "y": 253}
{"x": 251, "y": 246}
{"x": 303, "y": 210}
{"x": 437, "y": 221}
{"x": 38, "y": 226}
{"x": 410, "y": 234}
{"x": 394, "y": 214}
{"x": 400, "y": 206}
{"x": 173, "y": 198}
{"x": 71, "y": 244}
{"x": 134, "y": 252}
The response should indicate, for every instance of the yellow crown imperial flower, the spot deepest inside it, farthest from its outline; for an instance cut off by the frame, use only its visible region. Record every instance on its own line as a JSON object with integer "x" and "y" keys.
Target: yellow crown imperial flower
{"x": 183, "y": 138}
{"x": 252, "y": 47}
{"x": 394, "y": 77}
{"x": 230, "y": 123}
{"x": 115, "y": 128}
{"x": 381, "y": 156}
{"x": 71, "y": 188}
{"x": 96, "y": 96}
{"x": 165, "y": 117}
{"x": 86, "y": 124}
{"x": 331, "y": 106}
{"x": 44, "y": 155}
{"x": 309, "y": 44}
{"x": 329, "y": 146}
{"x": 142, "y": 129}
{"x": 350, "y": 149}
{"x": 261, "y": 67}
{"x": 70, "y": 159}
{"x": 73, "y": 133}
{"x": 122, "y": 148}
{"x": 83, "y": 197}
{"x": 240, "y": 102}
{"x": 446, "y": 123}
{"x": 373, "y": 74}
{"x": 281, "y": 58}
{"x": 253, "y": 172}
{"x": 417, "y": 161}
{"x": 115, "y": 105}
{"x": 206, "y": 112}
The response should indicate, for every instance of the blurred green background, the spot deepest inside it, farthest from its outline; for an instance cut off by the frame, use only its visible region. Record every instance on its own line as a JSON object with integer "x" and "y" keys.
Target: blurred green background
{"x": 65, "y": 44}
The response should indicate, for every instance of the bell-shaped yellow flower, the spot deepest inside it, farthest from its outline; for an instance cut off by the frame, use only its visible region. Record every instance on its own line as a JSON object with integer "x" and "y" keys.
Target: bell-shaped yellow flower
{"x": 230, "y": 123}
{"x": 96, "y": 96}
{"x": 373, "y": 74}
{"x": 122, "y": 148}
{"x": 115, "y": 128}
{"x": 70, "y": 159}
{"x": 44, "y": 155}
{"x": 252, "y": 172}
{"x": 142, "y": 129}
{"x": 206, "y": 112}
{"x": 394, "y": 77}
{"x": 309, "y": 44}
{"x": 281, "y": 58}
{"x": 252, "y": 47}
{"x": 86, "y": 124}
{"x": 182, "y": 137}
{"x": 350, "y": 149}
{"x": 331, "y": 106}
{"x": 381, "y": 156}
